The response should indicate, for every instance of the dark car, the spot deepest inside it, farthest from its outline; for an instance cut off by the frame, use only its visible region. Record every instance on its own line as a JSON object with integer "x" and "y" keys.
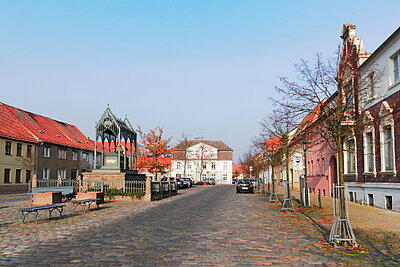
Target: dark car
{"x": 188, "y": 182}
{"x": 180, "y": 183}
{"x": 244, "y": 186}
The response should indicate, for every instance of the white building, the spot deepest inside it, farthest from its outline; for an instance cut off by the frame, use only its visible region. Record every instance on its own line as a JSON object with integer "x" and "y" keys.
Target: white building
{"x": 202, "y": 160}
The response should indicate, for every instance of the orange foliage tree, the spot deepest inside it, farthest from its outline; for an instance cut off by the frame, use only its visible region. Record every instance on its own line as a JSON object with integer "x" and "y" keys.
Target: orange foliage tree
{"x": 153, "y": 150}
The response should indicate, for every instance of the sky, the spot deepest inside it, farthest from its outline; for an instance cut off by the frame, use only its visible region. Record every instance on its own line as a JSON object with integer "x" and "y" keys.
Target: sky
{"x": 202, "y": 68}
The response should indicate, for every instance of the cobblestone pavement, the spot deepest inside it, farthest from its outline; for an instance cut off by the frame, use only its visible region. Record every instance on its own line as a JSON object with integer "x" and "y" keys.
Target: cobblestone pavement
{"x": 206, "y": 225}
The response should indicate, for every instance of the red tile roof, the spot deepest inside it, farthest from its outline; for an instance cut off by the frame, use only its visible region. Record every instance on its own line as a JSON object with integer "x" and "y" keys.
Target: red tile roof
{"x": 21, "y": 125}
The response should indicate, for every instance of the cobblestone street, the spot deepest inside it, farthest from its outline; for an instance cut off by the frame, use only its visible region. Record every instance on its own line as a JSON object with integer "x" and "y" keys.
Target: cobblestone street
{"x": 205, "y": 225}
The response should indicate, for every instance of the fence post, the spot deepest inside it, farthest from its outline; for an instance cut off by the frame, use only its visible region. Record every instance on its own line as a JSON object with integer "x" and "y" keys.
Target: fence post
{"x": 147, "y": 196}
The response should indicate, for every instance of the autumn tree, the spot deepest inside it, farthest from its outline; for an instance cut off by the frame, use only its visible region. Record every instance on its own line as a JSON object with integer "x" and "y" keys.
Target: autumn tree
{"x": 153, "y": 149}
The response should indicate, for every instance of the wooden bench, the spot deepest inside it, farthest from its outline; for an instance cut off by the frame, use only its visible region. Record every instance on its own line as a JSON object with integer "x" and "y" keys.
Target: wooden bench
{"x": 50, "y": 208}
{"x": 66, "y": 191}
{"x": 86, "y": 202}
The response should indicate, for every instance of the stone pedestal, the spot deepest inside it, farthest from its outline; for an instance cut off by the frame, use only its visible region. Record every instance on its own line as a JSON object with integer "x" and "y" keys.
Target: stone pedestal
{"x": 46, "y": 198}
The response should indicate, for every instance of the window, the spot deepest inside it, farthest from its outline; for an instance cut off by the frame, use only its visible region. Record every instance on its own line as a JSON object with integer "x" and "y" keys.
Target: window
{"x": 224, "y": 177}
{"x": 46, "y": 173}
{"x": 62, "y": 153}
{"x": 396, "y": 69}
{"x": 61, "y": 173}
{"x": 225, "y": 165}
{"x": 46, "y": 151}
{"x": 189, "y": 165}
{"x": 19, "y": 149}
{"x": 213, "y": 176}
{"x": 74, "y": 155}
{"x": 388, "y": 149}
{"x": 371, "y": 85}
{"x": 27, "y": 176}
{"x": 18, "y": 176}
{"x": 7, "y": 176}
{"x": 204, "y": 165}
{"x": 351, "y": 196}
{"x": 85, "y": 157}
{"x": 29, "y": 151}
{"x": 212, "y": 165}
{"x": 190, "y": 175}
{"x": 369, "y": 152}
{"x": 389, "y": 202}
{"x": 8, "y": 148}
{"x": 370, "y": 199}
{"x": 204, "y": 177}
{"x": 178, "y": 165}
{"x": 351, "y": 156}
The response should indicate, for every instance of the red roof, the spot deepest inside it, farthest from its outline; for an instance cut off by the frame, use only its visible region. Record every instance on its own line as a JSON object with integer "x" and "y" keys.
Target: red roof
{"x": 311, "y": 117}
{"x": 21, "y": 125}
{"x": 274, "y": 143}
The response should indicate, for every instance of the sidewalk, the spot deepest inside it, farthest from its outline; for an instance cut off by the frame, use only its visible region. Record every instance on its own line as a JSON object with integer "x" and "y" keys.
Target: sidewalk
{"x": 374, "y": 227}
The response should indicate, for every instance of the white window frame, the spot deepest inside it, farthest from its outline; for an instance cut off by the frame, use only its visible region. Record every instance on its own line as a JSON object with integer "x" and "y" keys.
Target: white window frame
{"x": 189, "y": 165}
{"x": 225, "y": 165}
{"x": 178, "y": 165}
{"x": 225, "y": 177}
{"x": 213, "y": 165}
{"x": 346, "y": 156}
{"x": 387, "y": 123}
{"x": 74, "y": 155}
{"x": 46, "y": 151}
{"x": 46, "y": 173}
{"x": 396, "y": 70}
{"x": 85, "y": 157}
{"x": 61, "y": 173}
{"x": 204, "y": 176}
{"x": 62, "y": 153}
{"x": 368, "y": 130}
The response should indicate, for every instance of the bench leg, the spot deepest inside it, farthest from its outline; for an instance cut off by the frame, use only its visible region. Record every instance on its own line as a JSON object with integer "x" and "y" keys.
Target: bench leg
{"x": 24, "y": 214}
{"x": 36, "y": 217}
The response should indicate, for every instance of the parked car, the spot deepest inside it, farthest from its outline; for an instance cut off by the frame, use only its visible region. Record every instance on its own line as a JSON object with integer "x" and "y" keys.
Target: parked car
{"x": 180, "y": 183}
{"x": 209, "y": 180}
{"x": 187, "y": 181}
{"x": 244, "y": 186}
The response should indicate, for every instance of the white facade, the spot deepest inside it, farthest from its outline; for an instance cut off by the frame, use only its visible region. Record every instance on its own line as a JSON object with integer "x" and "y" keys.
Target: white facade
{"x": 201, "y": 163}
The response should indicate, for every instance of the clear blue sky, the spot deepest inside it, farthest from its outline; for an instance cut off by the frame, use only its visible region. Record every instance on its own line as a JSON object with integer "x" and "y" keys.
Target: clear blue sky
{"x": 204, "y": 68}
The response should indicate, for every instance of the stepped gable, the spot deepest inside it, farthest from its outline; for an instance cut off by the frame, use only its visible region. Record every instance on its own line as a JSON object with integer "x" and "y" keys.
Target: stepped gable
{"x": 30, "y": 127}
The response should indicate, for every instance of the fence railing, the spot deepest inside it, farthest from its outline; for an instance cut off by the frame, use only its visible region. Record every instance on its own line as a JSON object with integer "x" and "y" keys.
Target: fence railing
{"x": 56, "y": 182}
{"x": 130, "y": 186}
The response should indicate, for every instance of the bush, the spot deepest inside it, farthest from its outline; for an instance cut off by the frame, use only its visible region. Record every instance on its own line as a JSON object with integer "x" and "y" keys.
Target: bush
{"x": 112, "y": 192}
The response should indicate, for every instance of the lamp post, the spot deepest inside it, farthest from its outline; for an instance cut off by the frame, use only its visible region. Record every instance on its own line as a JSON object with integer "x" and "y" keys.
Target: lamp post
{"x": 250, "y": 169}
{"x": 306, "y": 202}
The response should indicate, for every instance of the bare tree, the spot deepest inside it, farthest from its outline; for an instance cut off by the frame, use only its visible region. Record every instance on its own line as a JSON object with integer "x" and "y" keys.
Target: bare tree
{"x": 281, "y": 123}
{"x": 341, "y": 86}
{"x": 181, "y": 151}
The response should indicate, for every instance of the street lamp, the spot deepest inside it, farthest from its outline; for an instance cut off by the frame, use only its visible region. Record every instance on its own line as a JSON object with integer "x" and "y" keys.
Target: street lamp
{"x": 250, "y": 169}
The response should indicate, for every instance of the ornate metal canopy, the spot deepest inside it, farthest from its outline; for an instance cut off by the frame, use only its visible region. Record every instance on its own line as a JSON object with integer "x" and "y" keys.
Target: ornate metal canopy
{"x": 121, "y": 138}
